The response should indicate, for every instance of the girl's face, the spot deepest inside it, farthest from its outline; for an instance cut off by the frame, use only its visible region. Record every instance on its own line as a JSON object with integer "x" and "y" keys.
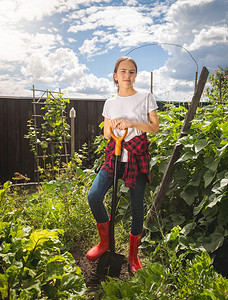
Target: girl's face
{"x": 125, "y": 75}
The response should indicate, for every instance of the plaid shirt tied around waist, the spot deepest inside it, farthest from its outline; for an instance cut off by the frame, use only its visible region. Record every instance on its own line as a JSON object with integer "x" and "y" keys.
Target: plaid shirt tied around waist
{"x": 138, "y": 159}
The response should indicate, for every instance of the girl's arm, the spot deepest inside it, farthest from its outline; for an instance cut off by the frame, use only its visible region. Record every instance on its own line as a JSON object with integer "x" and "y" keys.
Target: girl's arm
{"x": 151, "y": 127}
{"x": 107, "y": 134}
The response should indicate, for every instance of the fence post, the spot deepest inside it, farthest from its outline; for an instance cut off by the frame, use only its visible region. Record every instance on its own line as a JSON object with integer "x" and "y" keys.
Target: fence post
{"x": 72, "y": 117}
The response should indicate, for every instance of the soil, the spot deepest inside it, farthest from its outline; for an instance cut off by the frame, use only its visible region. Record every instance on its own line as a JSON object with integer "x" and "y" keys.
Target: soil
{"x": 88, "y": 268}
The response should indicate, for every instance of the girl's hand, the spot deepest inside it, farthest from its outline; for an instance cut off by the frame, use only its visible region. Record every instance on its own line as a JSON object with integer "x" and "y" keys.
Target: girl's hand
{"x": 114, "y": 123}
{"x": 123, "y": 124}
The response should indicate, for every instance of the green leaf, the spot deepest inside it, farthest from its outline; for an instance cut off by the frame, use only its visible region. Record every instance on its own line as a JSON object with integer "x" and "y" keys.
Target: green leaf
{"x": 186, "y": 156}
{"x": 217, "y": 196}
{"x": 189, "y": 194}
{"x": 224, "y": 127}
{"x": 178, "y": 219}
{"x": 208, "y": 177}
{"x": 39, "y": 237}
{"x": 211, "y": 163}
{"x": 173, "y": 234}
{"x": 11, "y": 274}
{"x": 74, "y": 283}
{"x": 217, "y": 238}
{"x": 221, "y": 152}
{"x": 199, "y": 207}
{"x": 181, "y": 173}
{"x": 7, "y": 184}
{"x": 224, "y": 182}
{"x": 188, "y": 228}
{"x": 200, "y": 144}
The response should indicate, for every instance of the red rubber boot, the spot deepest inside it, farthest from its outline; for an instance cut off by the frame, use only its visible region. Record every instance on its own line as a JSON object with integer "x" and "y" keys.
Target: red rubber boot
{"x": 103, "y": 246}
{"x": 134, "y": 263}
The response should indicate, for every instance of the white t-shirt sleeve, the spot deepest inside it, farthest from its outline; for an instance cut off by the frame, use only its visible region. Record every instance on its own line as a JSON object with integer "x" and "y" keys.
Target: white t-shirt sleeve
{"x": 106, "y": 112}
{"x": 151, "y": 104}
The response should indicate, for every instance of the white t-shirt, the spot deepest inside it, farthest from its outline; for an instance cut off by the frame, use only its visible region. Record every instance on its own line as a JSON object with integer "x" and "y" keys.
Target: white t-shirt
{"x": 132, "y": 108}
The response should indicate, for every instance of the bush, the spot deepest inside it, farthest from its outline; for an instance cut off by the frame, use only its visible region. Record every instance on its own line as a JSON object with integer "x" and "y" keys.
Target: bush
{"x": 197, "y": 196}
{"x": 32, "y": 267}
{"x": 57, "y": 204}
{"x": 172, "y": 272}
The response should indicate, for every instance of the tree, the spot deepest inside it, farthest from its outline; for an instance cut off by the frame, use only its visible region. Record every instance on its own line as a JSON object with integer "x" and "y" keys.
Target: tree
{"x": 218, "y": 89}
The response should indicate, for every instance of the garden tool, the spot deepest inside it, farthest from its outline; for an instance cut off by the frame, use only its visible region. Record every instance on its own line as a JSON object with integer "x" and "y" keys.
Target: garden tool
{"x": 110, "y": 263}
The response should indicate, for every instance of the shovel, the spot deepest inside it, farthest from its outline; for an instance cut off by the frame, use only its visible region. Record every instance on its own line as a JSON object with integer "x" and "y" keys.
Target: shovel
{"x": 110, "y": 263}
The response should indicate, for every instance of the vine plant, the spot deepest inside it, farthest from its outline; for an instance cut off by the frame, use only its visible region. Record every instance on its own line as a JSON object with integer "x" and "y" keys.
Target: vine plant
{"x": 48, "y": 140}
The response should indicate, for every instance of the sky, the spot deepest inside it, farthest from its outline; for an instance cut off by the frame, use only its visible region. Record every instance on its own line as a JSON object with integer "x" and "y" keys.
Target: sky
{"x": 73, "y": 45}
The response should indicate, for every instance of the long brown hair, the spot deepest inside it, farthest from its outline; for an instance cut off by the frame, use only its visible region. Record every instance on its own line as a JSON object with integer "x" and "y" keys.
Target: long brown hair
{"x": 123, "y": 58}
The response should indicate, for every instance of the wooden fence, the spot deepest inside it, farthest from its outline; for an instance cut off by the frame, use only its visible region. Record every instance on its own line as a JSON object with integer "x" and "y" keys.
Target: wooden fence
{"x": 15, "y": 151}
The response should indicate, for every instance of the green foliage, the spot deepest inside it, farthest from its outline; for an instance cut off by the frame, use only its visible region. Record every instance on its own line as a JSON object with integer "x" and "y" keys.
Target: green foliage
{"x": 6, "y": 186}
{"x": 162, "y": 144}
{"x": 197, "y": 196}
{"x": 173, "y": 271}
{"x": 196, "y": 279}
{"x": 32, "y": 267}
{"x": 57, "y": 204}
{"x": 100, "y": 144}
{"x": 54, "y": 124}
{"x": 48, "y": 141}
{"x": 217, "y": 92}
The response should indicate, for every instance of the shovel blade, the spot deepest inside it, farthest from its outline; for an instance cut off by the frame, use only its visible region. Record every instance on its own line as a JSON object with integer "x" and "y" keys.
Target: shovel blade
{"x": 110, "y": 264}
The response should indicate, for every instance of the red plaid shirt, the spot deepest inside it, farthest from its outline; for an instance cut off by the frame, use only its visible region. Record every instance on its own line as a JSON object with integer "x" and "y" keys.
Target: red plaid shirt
{"x": 138, "y": 159}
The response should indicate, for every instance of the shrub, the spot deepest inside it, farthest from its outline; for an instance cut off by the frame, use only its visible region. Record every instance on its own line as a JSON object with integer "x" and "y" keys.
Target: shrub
{"x": 32, "y": 267}
{"x": 197, "y": 196}
{"x": 171, "y": 274}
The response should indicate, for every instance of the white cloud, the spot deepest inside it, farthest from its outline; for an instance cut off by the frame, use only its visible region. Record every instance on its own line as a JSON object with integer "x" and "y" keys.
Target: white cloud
{"x": 89, "y": 46}
{"x": 24, "y": 44}
{"x": 14, "y": 86}
{"x": 71, "y": 40}
{"x": 143, "y": 80}
{"x": 60, "y": 67}
{"x": 209, "y": 37}
{"x": 119, "y": 18}
{"x": 91, "y": 86}
{"x": 117, "y": 27}
{"x": 186, "y": 17}
{"x": 12, "y": 11}
{"x": 130, "y": 2}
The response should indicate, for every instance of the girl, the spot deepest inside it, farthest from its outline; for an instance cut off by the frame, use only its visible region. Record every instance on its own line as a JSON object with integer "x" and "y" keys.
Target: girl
{"x": 137, "y": 112}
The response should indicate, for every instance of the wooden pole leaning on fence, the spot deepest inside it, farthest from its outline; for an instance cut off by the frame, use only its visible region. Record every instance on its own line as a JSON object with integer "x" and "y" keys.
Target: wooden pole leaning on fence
{"x": 72, "y": 117}
{"x": 167, "y": 177}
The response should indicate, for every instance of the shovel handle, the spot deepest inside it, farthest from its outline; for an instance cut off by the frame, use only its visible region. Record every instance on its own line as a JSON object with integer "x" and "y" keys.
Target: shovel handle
{"x": 118, "y": 140}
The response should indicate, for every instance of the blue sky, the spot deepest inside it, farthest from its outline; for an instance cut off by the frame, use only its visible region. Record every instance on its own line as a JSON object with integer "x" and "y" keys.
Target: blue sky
{"x": 73, "y": 44}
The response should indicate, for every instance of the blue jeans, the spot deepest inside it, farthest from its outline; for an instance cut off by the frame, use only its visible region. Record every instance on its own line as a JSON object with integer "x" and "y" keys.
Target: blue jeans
{"x": 100, "y": 187}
